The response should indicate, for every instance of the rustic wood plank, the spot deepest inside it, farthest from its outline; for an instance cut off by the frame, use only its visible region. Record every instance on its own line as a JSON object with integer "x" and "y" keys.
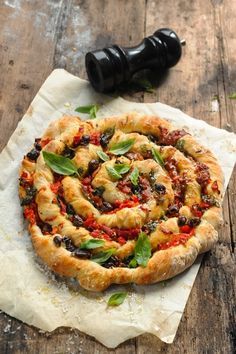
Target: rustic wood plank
{"x": 28, "y": 32}
{"x": 208, "y": 322}
{"x": 64, "y": 31}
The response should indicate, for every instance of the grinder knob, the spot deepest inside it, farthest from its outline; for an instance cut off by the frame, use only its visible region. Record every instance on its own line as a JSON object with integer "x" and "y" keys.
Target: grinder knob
{"x": 109, "y": 67}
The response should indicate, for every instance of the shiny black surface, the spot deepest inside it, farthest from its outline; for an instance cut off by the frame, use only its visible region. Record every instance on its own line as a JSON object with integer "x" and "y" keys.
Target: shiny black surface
{"x": 112, "y": 66}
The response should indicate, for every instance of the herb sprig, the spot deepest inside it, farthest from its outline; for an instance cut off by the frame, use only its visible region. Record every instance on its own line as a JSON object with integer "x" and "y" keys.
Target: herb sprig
{"x": 118, "y": 170}
{"x": 142, "y": 251}
{"x": 60, "y": 164}
{"x": 91, "y": 110}
{"x": 122, "y": 147}
{"x": 117, "y": 299}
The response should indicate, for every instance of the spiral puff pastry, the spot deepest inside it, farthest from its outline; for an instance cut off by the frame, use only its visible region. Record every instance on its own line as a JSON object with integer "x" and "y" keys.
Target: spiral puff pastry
{"x": 142, "y": 202}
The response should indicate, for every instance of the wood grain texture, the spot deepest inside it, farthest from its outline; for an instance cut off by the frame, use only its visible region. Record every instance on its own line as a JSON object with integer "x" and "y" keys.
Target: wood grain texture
{"x": 36, "y": 37}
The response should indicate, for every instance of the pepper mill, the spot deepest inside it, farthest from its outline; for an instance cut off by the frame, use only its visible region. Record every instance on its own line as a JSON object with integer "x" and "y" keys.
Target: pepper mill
{"x": 112, "y": 66}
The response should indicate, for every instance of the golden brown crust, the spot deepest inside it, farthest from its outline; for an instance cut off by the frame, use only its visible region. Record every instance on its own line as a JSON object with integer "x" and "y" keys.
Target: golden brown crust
{"x": 186, "y": 163}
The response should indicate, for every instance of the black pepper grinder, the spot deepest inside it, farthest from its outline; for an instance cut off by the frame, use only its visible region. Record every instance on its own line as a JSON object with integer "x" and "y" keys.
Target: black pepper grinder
{"x": 112, "y": 66}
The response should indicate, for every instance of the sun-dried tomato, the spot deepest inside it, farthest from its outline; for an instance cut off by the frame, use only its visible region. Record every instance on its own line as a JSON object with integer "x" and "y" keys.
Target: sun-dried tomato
{"x": 121, "y": 240}
{"x": 196, "y": 210}
{"x": 45, "y": 141}
{"x": 29, "y": 214}
{"x": 170, "y": 138}
{"x": 95, "y": 138}
{"x": 87, "y": 181}
{"x": 62, "y": 206}
{"x": 125, "y": 186}
{"x": 215, "y": 187}
{"x": 177, "y": 239}
{"x": 55, "y": 187}
{"x": 185, "y": 229}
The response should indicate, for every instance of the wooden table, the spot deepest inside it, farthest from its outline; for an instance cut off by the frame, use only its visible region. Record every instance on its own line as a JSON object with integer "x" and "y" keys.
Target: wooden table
{"x": 38, "y": 36}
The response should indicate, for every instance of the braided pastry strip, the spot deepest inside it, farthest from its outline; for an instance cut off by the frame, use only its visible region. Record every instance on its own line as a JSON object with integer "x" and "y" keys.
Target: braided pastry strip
{"x": 176, "y": 202}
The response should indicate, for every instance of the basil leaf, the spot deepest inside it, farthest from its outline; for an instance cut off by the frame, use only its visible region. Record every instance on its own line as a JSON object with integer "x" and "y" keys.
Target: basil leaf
{"x": 122, "y": 147}
{"x": 92, "y": 244}
{"x": 122, "y": 168}
{"x": 102, "y": 257}
{"x": 142, "y": 250}
{"x": 102, "y": 155}
{"x": 133, "y": 263}
{"x": 59, "y": 164}
{"x": 134, "y": 176}
{"x": 117, "y": 299}
{"x": 233, "y": 96}
{"x": 113, "y": 173}
{"x": 91, "y": 110}
{"x": 157, "y": 157}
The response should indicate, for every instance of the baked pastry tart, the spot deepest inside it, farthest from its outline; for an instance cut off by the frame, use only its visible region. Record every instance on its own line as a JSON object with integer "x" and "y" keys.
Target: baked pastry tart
{"x": 124, "y": 199}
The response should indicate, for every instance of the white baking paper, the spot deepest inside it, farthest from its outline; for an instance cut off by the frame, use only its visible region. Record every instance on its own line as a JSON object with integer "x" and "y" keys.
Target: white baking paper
{"x": 40, "y": 298}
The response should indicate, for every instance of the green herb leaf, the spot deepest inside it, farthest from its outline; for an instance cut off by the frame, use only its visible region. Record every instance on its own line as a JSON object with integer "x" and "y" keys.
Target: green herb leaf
{"x": 122, "y": 168}
{"x": 157, "y": 157}
{"x": 113, "y": 173}
{"x": 122, "y": 147}
{"x": 233, "y": 96}
{"x": 117, "y": 299}
{"x": 180, "y": 145}
{"x": 92, "y": 244}
{"x": 142, "y": 251}
{"x": 102, "y": 257}
{"x": 134, "y": 176}
{"x": 133, "y": 263}
{"x": 59, "y": 164}
{"x": 91, "y": 110}
{"x": 102, "y": 155}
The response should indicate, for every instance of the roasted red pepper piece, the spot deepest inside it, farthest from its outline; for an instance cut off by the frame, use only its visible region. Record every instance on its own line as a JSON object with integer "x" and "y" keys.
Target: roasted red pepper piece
{"x": 215, "y": 187}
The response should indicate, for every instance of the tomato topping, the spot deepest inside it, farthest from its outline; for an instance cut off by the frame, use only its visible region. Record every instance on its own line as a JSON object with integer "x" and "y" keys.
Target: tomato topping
{"x": 95, "y": 138}
{"x": 215, "y": 187}
{"x": 100, "y": 234}
{"x": 121, "y": 240}
{"x": 62, "y": 207}
{"x": 44, "y": 142}
{"x": 86, "y": 181}
{"x": 29, "y": 214}
{"x": 178, "y": 239}
{"x": 76, "y": 140}
{"x": 196, "y": 209}
{"x": 125, "y": 186}
{"x": 55, "y": 187}
{"x": 26, "y": 179}
{"x": 186, "y": 229}
{"x": 205, "y": 205}
{"x": 125, "y": 204}
{"x": 170, "y": 138}
{"x": 102, "y": 231}
{"x": 77, "y": 137}
{"x": 203, "y": 175}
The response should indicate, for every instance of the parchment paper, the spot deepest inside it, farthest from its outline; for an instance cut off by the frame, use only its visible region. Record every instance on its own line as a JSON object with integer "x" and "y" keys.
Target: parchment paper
{"x": 30, "y": 292}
